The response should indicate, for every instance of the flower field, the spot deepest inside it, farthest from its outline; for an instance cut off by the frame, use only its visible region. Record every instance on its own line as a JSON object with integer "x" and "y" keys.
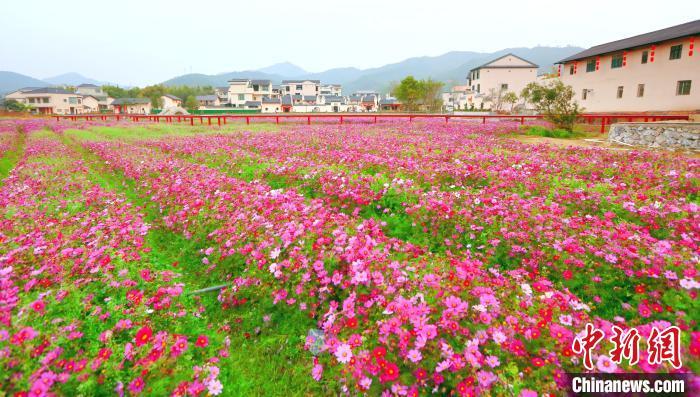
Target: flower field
{"x": 391, "y": 258}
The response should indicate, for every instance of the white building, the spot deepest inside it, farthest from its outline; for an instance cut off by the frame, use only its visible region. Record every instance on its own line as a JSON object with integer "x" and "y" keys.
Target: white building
{"x": 243, "y": 91}
{"x": 508, "y": 73}
{"x": 331, "y": 89}
{"x": 300, "y": 87}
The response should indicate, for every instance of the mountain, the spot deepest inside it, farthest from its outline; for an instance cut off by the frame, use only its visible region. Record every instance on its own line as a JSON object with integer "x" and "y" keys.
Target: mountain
{"x": 10, "y": 81}
{"x": 284, "y": 69}
{"x": 74, "y": 79}
{"x": 450, "y": 68}
{"x": 220, "y": 80}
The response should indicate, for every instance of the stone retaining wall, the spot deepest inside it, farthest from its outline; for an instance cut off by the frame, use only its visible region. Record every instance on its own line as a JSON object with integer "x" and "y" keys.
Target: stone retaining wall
{"x": 669, "y": 135}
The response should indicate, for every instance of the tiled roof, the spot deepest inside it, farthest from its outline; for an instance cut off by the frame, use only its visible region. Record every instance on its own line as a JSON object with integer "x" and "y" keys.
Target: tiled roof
{"x": 674, "y": 32}
{"x": 131, "y": 101}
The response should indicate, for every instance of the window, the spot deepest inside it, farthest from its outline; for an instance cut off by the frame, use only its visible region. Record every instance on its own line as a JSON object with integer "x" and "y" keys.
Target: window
{"x": 616, "y": 61}
{"x": 640, "y": 90}
{"x": 478, "y": 88}
{"x": 286, "y": 88}
{"x": 298, "y": 86}
{"x": 590, "y": 65}
{"x": 584, "y": 94}
{"x": 571, "y": 69}
{"x": 504, "y": 86}
{"x": 676, "y": 51}
{"x": 241, "y": 97}
{"x": 683, "y": 87}
{"x": 620, "y": 89}
{"x": 645, "y": 56}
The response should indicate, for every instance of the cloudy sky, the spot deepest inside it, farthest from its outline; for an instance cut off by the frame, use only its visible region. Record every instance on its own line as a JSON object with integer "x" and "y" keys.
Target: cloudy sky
{"x": 141, "y": 42}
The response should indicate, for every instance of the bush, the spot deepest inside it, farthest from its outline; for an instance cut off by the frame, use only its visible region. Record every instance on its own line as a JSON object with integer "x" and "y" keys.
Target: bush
{"x": 553, "y": 133}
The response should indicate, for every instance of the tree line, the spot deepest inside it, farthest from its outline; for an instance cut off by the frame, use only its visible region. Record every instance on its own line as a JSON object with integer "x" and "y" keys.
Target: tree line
{"x": 188, "y": 94}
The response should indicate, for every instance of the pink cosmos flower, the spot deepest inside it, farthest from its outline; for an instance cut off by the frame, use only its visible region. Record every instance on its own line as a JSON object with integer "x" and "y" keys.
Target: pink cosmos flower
{"x": 343, "y": 353}
{"x": 414, "y": 355}
{"x": 317, "y": 372}
{"x": 605, "y": 364}
{"x": 136, "y": 386}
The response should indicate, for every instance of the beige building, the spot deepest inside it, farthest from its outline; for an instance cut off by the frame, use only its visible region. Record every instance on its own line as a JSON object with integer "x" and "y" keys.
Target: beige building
{"x": 132, "y": 106}
{"x": 242, "y": 92}
{"x": 509, "y": 73}
{"x": 170, "y": 101}
{"x": 656, "y": 71}
{"x": 300, "y": 87}
{"x": 49, "y": 100}
{"x": 104, "y": 101}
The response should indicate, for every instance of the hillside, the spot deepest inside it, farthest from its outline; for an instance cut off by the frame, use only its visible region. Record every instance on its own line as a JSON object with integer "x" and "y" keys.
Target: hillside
{"x": 450, "y": 68}
{"x": 10, "y": 81}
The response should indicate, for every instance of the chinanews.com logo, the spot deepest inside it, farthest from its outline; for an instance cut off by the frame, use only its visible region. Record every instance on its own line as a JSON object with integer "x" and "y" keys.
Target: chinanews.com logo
{"x": 663, "y": 348}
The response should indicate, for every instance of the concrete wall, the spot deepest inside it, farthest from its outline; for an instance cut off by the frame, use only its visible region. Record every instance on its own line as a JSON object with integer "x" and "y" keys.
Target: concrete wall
{"x": 660, "y": 79}
{"x": 671, "y": 135}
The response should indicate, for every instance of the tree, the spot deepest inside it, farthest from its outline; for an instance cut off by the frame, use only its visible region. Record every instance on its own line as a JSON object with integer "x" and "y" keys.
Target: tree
{"x": 16, "y": 106}
{"x": 191, "y": 103}
{"x": 555, "y": 101}
{"x": 430, "y": 93}
{"x": 154, "y": 93}
{"x": 408, "y": 92}
{"x": 511, "y": 98}
{"x": 414, "y": 94}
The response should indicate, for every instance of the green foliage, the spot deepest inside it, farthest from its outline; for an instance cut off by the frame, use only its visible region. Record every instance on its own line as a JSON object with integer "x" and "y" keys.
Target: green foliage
{"x": 553, "y": 133}
{"x": 15, "y": 106}
{"x": 555, "y": 100}
{"x": 191, "y": 103}
{"x": 416, "y": 94}
{"x": 155, "y": 92}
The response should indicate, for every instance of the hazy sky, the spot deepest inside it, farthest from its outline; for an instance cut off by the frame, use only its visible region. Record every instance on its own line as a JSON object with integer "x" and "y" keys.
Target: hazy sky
{"x": 145, "y": 42}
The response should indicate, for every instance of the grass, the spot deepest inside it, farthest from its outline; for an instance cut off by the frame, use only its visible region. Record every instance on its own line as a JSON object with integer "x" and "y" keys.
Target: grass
{"x": 266, "y": 358}
{"x": 537, "y": 130}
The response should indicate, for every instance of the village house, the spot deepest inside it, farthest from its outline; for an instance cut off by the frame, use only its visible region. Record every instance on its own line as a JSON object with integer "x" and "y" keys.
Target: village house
{"x": 456, "y": 98}
{"x": 651, "y": 72}
{"x": 222, "y": 93}
{"x": 104, "y": 101}
{"x": 300, "y": 87}
{"x": 49, "y": 100}
{"x": 271, "y": 105}
{"x": 331, "y": 89}
{"x": 334, "y": 103}
{"x": 508, "y": 73}
{"x": 389, "y": 105}
{"x": 90, "y": 104}
{"x": 208, "y": 100}
{"x": 132, "y": 106}
{"x": 170, "y": 101}
{"x": 243, "y": 91}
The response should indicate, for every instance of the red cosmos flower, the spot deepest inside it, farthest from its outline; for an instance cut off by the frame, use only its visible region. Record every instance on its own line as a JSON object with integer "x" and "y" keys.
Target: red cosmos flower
{"x": 568, "y": 274}
{"x": 38, "y": 306}
{"x": 202, "y": 341}
{"x": 390, "y": 373}
{"x": 420, "y": 374}
{"x": 351, "y": 322}
{"x": 379, "y": 352}
{"x": 465, "y": 390}
{"x": 134, "y": 296}
{"x": 639, "y": 288}
{"x": 104, "y": 353}
{"x": 537, "y": 362}
{"x": 144, "y": 335}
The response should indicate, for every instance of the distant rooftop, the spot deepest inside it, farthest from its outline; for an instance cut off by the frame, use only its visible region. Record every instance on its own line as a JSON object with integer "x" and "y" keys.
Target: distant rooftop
{"x": 657, "y": 36}
{"x": 300, "y": 81}
{"x": 131, "y": 101}
{"x": 48, "y": 90}
{"x": 88, "y": 86}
